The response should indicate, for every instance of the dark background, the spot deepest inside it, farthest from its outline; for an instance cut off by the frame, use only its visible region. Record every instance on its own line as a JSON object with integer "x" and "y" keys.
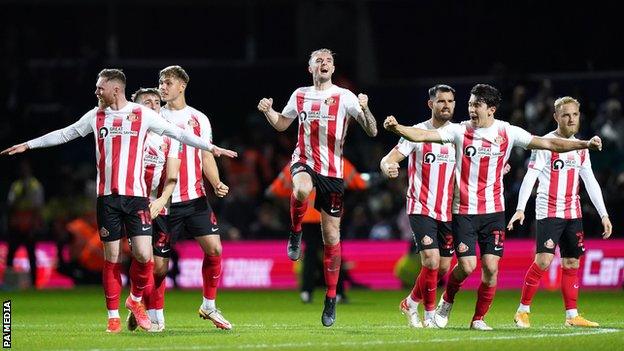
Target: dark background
{"x": 237, "y": 52}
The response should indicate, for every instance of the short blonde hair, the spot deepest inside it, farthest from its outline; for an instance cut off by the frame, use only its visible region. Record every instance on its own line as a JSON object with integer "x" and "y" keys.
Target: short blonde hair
{"x": 176, "y": 72}
{"x": 566, "y": 100}
{"x": 319, "y": 51}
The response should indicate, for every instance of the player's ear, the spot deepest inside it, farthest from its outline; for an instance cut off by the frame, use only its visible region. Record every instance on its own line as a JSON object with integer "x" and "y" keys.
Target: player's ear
{"x": 430, "y": 104}
{"x": 310, "y": 69}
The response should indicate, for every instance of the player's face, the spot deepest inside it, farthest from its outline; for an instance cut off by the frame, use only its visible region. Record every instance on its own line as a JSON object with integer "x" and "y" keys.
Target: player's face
{"x": 568, "y": 119}
{"x": 150, "y": 100}
{"x": 322, "y": 67}
{"x": 105, "y": 91}
{"x": 480, "y": 113}
{"x": 443, "y": 106}
{"x": 170, "y": 88}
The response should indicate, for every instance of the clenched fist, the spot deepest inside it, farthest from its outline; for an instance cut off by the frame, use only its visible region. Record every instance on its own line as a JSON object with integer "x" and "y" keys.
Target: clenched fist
{"x": 363, "y": 98}
{"x": 265, "y": 105}
{"x": 390, "y": 123}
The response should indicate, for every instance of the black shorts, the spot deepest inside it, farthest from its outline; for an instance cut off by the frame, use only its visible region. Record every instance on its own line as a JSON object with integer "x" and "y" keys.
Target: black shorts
{"x": 161, "y": 240}
{"x": 428, "y": 233}
{"x": 567, "y": 233}
{"x": 117, "y": 211}
{"x": 329, "y": 190}
{"x": 487, "y": 230}
{"x": 194, "y": 217}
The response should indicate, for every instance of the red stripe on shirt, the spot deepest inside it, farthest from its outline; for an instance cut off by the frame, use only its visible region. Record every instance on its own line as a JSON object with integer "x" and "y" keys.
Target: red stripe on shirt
{"x": 116, "y": 140}
{"x": 132, "y": 153}
{"x": 552, "y": 188}
{"x": 464, "y": 201}
{"x": 101, "y": 150}
{"x": 500, "y": 164}
{"x": 331, "y": 134}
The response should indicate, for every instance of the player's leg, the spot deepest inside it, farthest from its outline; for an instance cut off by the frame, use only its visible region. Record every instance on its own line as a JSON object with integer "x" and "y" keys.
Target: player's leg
{"x": 548, "y": 232}
{"x": 302, "y": 187}
{"x": 491, "y": 234}
{"x": 332, "y": 257}
{"x": 572, "y": 247}
{"x": 109, "y": 223}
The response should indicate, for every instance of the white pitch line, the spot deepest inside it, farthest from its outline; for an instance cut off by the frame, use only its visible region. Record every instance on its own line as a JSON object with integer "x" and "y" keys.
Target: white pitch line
{"x": 596, "y": 331}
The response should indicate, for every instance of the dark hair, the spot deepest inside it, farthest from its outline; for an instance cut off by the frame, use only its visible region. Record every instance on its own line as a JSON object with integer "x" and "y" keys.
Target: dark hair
{"x": 143, "y": 91}
{"x": 487, "y": 94}
{"x": 113, "y": 74}
{"x": 440, "y": 88}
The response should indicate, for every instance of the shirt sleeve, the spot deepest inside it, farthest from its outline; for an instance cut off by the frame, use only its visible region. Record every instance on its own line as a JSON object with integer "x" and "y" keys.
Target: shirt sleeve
{"x": 161, "y": 126}
{"x": 527, "y": 188}
{"x": 539, "y": 159}
{"x": 592, "y": 186}
{"x": 448, "y": 134}
{"x": 81, "y": 128}
{"x": 405, "y": 147}
{"x": 352, "y": 104}
{"x": 520, "y": 136}
{"x": 290, "y": 110}
{"x": 175, "y": 149}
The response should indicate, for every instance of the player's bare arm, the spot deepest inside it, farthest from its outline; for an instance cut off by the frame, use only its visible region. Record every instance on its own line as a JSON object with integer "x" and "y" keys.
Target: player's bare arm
{"x": 15, "y": 149}
{"x": 173, "y": 169}
{"x": 564, "y": 145}
{"x": 366, "y": 118}
{"x": 276, "y": 119}
{"x": 411, "y": 133}
{"x": 390, "y": 163}
{"x": 211, "y": 171}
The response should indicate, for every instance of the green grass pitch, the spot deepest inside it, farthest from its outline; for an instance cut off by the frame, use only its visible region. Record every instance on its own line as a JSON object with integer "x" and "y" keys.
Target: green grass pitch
{"x": 277, "y": 320}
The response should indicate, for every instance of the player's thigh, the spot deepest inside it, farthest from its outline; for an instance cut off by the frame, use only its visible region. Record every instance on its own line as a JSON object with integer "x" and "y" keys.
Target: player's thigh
{"x": 161, "y": 237}
{"x": 136, "y": 216}
{"x": 330, "y": 228}
{"x": 210, "y": 244}
{"x": 302, "y": 178}
{"x": 491, "y": 233}
{"x": 424, "y": 232}
{"x": 548, "y": 234}
{"x": 201, "y": 220}
{"x": 464, "y": 235}
{"x": 572, "y": 243}
{"x": 109, "y": 218}
{"x": 329, "y": 195}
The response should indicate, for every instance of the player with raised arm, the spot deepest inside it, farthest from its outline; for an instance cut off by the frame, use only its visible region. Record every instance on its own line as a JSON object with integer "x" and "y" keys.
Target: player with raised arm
{"x": 431, "y": 175}
{"x": 558, "y": 213}
{"x": 323, "y": 111}
{"x": 190, "y": 210}
{"x": 482, "y": 145}
{"x": 161, "y": 160}
{"x": 120, "y": 129}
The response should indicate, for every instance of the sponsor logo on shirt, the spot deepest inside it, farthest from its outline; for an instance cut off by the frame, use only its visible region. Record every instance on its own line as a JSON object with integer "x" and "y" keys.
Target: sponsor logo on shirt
{"x": 315, "y": 115}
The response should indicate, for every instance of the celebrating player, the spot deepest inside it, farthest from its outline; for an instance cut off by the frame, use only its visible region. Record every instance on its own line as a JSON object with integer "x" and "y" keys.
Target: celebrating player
{"x": 323, "y": 111}
{"x": 482, "y": 145}
{"x": 558, "y": 213}
{"x": 431, "y": 172}
{"x": 120, "y": 128}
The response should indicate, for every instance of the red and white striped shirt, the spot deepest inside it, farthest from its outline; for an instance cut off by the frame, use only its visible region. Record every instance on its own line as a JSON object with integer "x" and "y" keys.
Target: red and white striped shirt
{"x": 431, "y": 173}
{"x": 481, "y": 156}
{"x": 190, "y": 184}
{"x": 119, "y": 144}
{"x": 323, "y": 120}
{"x": 157, "y": 150}
{"x": 558, "y": 189}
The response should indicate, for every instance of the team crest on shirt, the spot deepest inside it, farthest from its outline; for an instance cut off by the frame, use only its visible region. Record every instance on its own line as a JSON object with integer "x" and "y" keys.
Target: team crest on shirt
{"x": 164, "y": 147}
{"x": 330, "y": 101}
{"x": 192, "y": 123}
{"x": 426, "y": 240}
{"x": 132, "y": 117}
{"x": 461, "y": 248}
{"x": 499, "y": 140}
{"x": 549, "y": 244}
{"x": 104, "y": 232}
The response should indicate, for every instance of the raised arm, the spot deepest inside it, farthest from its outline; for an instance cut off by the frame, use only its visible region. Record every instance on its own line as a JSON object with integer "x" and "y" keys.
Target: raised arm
{"x": 276, "y": 119}
{"x": 564, "y": 145}
{"x": 366, "y": 118}
{"x": 389, "y": 164}
{"x": 57, "y": 137}
{"x": 412, "y": 133}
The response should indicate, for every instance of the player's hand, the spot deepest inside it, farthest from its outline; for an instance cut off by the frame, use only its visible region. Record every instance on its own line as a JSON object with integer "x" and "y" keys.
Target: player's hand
{"x": 506, "y": 169}
{"x": 390, "y": 123}
{"x": 390, "y": 170}
{"x": 218, "y": 152}
{"x": 518, "y": 216}
{"x": 15, "y": 149}
{"x": 608, "y": 228}
{"x": 156, "y": 206}
{"x": 595, "y": 143}
{"x": 221, "y": 189}
{"x": 265, "y": 105}
{"x": 363, "y": 98}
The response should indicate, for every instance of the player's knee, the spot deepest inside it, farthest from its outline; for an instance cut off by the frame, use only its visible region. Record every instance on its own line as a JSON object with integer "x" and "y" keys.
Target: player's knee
{"x": 302, "y": 192}
{"x": 160, "y": 271}
{"x": 214, "y": 250}
{"x": 570, "y": 263}
{"x": 467, "y": 267}
{"x": 142, "y": 257}
{"x": 431, "y": 262}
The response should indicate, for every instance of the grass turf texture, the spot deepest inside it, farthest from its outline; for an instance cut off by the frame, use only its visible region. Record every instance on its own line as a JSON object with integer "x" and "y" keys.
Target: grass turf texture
{"x": 277, "y": 320}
